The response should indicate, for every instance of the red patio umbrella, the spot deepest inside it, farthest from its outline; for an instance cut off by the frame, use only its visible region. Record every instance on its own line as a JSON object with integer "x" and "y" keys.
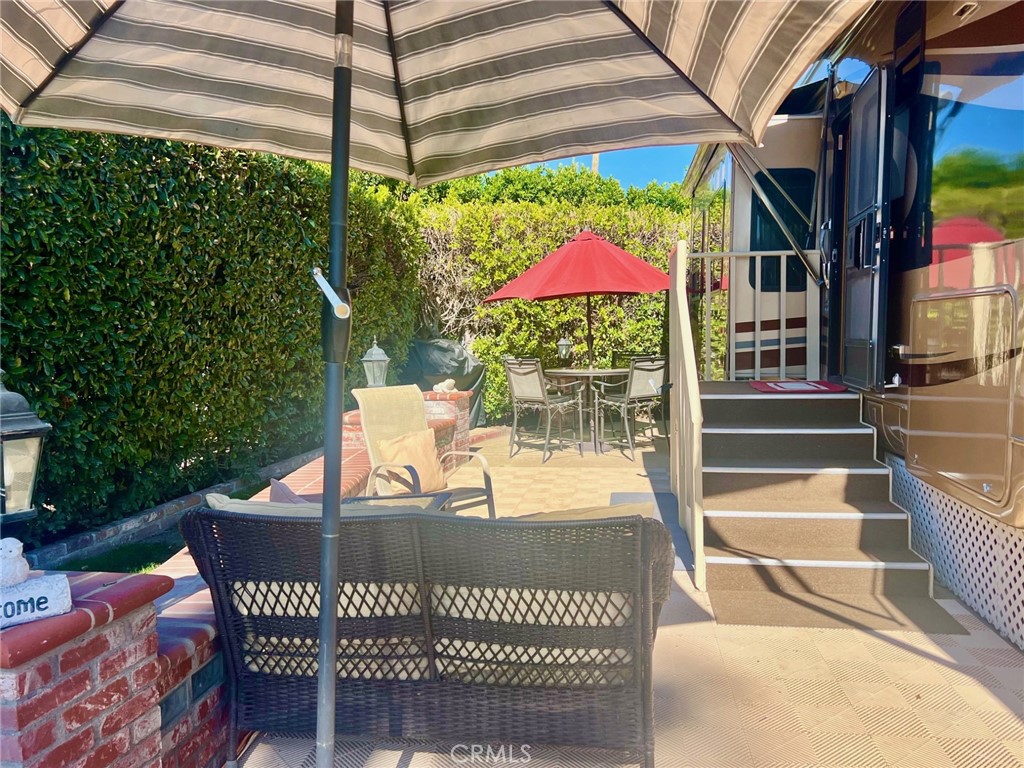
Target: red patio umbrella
{"x": 585, "y": 266}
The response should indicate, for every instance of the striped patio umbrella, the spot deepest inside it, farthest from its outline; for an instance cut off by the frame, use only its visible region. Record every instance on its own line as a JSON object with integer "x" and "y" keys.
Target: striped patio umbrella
{"x": 417, "y": 90}
{"x": 440, "y": 88}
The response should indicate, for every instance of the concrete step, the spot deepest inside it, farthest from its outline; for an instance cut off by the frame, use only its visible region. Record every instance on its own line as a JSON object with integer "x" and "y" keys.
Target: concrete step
{"x": 818, "y": 570}
{"x": 830, "y": 445}
{"x": 795, "y": 488}
{"x": 756, "y": 409}
{"x": 754, "y": 531}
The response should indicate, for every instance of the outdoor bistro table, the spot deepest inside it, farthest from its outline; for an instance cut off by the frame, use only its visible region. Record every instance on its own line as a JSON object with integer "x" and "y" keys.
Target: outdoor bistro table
{"x": 589, "y": 375}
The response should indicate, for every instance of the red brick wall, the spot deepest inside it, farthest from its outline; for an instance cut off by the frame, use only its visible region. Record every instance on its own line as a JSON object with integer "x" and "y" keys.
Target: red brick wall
{"x": 199, "y": 738}
{"x": 90, "y": 702}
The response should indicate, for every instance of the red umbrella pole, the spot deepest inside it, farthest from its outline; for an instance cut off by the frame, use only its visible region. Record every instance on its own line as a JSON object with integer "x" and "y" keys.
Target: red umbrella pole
{"x": 590, "y": 335}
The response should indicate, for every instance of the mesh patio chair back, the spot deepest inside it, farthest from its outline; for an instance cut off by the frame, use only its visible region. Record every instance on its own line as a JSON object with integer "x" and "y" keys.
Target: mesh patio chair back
{"x": 526, "y": 379}
{"x": 449, "y": 629}
{"x": 386, "y": 413}
{"x": 647, "y": 376}
{"x": 389, "y": 412}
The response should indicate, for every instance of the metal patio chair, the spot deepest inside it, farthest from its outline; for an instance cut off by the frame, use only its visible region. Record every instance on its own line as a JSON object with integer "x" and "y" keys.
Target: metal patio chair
{"x": 643, "y": 389}
{"x": 531, "y": 390}
{"x": 390, "y": 412}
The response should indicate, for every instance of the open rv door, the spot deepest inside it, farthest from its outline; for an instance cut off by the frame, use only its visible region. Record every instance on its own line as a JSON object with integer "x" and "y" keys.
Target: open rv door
{"x": 866, "y": 253}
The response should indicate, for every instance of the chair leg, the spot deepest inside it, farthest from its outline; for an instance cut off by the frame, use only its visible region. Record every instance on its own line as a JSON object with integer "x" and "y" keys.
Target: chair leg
{"x": 547, "y": 437}
{"x": 512, "y": 437}
{"x": 629, "y": 436}
{"x": 232, "y": 756}
{"x": 579, "y": 434}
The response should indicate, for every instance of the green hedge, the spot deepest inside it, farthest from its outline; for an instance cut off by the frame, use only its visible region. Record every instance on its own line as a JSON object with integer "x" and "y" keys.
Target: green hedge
{"x": 158, "y": 310}
{"x": 475, "y": 248}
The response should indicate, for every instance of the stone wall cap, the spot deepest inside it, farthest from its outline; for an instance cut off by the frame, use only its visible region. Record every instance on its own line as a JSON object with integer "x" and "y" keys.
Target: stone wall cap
{"x": 447, "y": 395}
{"x": 97, "y": 599}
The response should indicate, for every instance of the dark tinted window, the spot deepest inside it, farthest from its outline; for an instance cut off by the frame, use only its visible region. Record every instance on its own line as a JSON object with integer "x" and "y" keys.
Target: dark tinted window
{"x": 765, "y": 234}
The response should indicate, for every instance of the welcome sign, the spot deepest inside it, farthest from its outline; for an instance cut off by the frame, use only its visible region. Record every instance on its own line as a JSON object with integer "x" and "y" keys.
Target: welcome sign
{"x": 38, "y": 597}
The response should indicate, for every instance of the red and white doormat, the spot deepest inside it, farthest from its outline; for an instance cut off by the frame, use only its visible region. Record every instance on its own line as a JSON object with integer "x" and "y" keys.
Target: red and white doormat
{"x": 796, "y": 387}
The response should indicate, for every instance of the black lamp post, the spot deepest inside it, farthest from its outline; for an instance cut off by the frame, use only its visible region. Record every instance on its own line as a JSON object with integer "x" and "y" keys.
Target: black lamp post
{"x": 375, "y": 364}
{"x": 21, "y": 443}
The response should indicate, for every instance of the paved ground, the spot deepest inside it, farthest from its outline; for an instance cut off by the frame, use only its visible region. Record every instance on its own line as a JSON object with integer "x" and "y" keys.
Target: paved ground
{"x": 758, "y": 696}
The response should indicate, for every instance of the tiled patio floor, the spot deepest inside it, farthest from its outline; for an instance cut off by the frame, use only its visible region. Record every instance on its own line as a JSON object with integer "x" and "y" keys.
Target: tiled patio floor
{"x": 763, "y": 696}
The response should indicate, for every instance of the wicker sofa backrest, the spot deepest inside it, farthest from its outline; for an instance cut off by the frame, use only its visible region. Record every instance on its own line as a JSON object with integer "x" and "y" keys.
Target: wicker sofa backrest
{"x": 535, "y": 604}
{"x": 264, "y": 571}
{"x": 466, "y": 607}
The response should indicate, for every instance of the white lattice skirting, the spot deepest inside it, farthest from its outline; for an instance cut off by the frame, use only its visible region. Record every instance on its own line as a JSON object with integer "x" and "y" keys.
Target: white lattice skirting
{"x": 975, "y": 556}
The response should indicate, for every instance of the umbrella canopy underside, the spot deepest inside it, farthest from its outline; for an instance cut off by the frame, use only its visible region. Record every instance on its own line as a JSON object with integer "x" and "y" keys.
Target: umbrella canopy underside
{"x": 456, "y": 88}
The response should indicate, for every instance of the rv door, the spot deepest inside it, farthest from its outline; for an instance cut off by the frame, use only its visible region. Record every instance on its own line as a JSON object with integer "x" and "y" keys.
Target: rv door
{"x": 866, "y": 251}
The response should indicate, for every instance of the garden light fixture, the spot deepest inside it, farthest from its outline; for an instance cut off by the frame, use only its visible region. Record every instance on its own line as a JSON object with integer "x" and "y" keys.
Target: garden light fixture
{"x": 375, "y": 363}
{"x": 564, "y": 348}
{"x": 21, "y": 442}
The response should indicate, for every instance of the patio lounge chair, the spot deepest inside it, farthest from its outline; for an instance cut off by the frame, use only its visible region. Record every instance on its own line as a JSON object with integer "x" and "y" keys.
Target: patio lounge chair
{"x": 531, "y": 390}
{"x": 390, "y": 413}
{"x": 450, "y": 630}
{"x": 643, "y": 389}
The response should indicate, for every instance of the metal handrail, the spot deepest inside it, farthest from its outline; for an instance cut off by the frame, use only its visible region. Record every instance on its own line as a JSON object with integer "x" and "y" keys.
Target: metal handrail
{"x": 812, "y": 310}
{"x": 686, "y": 416}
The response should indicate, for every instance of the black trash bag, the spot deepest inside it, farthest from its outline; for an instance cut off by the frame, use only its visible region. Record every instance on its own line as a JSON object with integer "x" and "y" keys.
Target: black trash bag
{"x": 431, "y": 361}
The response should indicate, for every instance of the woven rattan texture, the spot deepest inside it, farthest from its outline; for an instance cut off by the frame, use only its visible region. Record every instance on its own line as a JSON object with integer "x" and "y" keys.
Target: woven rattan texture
{"x": 977, "y": 557}
{"x": 449, "y": 629}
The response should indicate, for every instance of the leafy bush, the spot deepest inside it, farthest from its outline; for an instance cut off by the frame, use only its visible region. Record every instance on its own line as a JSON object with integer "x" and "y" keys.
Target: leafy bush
{"x": 158, "y": 310}
{"x": 475, "y": 248}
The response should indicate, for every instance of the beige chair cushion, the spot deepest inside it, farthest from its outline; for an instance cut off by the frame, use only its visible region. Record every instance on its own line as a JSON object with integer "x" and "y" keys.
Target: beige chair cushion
{"x": 417, "y": 450}
{"x": 641, "y": 509}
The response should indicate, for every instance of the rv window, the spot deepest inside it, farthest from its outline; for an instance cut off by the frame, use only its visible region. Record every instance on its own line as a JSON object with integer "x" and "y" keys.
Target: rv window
{"x": 765, "y": 234}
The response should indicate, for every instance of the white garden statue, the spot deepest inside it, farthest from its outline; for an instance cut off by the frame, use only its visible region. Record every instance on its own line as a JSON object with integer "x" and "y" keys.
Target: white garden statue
{"x": 13, "y": 565}
{"x": 25, "y": 597}
{"x": 445, "y": 387}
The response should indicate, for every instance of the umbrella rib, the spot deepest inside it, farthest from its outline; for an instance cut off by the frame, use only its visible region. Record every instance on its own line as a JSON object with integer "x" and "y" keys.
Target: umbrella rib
{"x": 610, "y": 4}
{"x": 398, "y": 93}
{"x": 70, "y": 54}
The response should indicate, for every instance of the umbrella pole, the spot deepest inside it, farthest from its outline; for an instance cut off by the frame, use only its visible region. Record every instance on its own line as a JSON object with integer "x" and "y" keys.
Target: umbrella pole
{"x": 590, "y": 335}
{"x": 335, "y": 334}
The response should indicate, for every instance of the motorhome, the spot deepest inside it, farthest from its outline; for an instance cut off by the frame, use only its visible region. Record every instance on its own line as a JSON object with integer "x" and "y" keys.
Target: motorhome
{"x": 876, "y": 244}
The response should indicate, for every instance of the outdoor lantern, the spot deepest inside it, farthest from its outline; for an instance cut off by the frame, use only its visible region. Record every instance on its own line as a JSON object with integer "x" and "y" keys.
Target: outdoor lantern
{"x": 564, "y": 347}
{"x": 21, "y": 442}
{"x": 375, "y": 363}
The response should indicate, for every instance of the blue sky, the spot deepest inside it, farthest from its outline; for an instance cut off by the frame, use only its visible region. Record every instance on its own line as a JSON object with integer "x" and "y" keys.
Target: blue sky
{"x": 638, "y": 167}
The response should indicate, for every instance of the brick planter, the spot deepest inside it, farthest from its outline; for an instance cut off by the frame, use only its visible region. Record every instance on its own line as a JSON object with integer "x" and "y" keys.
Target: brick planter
{"x": 78, "y": 689}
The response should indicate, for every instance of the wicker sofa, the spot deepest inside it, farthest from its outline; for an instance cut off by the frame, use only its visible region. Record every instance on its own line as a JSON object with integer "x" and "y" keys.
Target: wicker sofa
{"x": 451, "y": 630}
